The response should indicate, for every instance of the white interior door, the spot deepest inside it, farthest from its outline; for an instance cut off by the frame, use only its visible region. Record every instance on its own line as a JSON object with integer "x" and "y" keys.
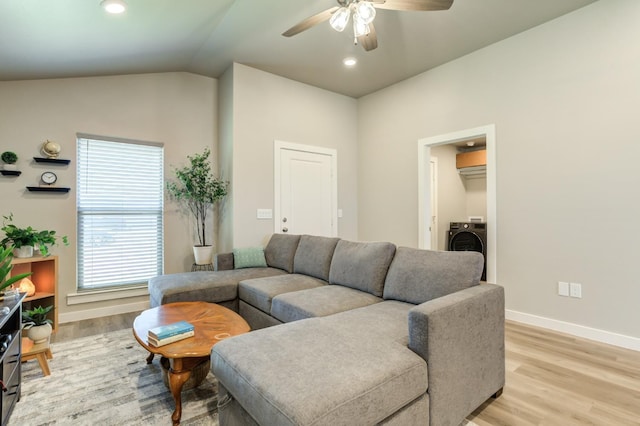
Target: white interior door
{"x": 305, "y": 192}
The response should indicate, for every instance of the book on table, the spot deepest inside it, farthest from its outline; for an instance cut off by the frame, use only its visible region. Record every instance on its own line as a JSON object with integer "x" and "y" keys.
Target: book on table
{"x": 175, "y": 338}
{"x": 168, "y": 330}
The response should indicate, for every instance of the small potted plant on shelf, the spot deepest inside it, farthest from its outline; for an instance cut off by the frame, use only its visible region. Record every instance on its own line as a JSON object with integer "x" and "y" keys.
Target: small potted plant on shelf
{"x": 9, "y": 158}
{"x": 37, "y": 325}
{"x": 6, "y": 255}
{"x": 198, "y": 190}
{"x": 25, "y": 239}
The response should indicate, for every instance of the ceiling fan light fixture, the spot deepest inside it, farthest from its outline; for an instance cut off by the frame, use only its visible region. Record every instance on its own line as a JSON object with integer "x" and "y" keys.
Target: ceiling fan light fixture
{"x": 113, "y": 6}
{"x": 366, "y": 11}
{"x": 359, "y": 27}
{"x": 340, "y": 19}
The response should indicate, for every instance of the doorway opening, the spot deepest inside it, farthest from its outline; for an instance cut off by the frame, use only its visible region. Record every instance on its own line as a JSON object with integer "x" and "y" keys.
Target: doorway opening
{"x": 426, "y": 207}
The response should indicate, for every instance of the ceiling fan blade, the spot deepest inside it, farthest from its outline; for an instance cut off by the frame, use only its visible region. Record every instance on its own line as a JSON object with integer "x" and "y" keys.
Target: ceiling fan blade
{"x": 413, "y": 4}
{"x": 369, "y": 41}
{"x": 310, "y": 22}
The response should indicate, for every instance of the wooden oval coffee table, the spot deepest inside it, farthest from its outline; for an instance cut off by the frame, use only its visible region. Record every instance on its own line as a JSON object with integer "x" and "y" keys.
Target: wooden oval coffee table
{"x": 212, "y": 323}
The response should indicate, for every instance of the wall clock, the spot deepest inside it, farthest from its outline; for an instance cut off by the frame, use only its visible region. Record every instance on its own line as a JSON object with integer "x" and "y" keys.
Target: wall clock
{"x": 48, "y": 178}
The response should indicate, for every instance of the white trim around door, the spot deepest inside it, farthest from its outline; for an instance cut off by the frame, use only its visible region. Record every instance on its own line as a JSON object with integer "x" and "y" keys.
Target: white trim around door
{"x": 424, "y": 207}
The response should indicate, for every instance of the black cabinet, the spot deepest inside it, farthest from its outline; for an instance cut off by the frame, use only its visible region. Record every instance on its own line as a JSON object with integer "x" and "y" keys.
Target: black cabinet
{"x": 10, "y": 354}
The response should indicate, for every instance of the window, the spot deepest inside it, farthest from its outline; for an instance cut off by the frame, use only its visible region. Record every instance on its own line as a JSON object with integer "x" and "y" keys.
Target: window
{"x": 119, "y": 203}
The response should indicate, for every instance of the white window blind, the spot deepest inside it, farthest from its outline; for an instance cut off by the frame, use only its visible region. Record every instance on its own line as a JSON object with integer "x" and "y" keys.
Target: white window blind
{"x": 120, "y": 221}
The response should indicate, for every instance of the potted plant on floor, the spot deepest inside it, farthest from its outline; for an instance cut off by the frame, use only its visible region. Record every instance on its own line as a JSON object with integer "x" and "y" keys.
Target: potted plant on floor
{"x": 25, "y": 239}
{"x": 198, "y": 190}
{"x": 9, "y": 158}
{"x": 37, "y": 325}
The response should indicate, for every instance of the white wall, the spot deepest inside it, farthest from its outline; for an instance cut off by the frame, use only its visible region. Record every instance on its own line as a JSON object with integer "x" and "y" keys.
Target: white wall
{"x": 176, "y": 109}
{"x": 564, "y": 98}
{"x": 452, "y": 198}
{"x": 476, "y": 194}
{"x": 265, "y": 108}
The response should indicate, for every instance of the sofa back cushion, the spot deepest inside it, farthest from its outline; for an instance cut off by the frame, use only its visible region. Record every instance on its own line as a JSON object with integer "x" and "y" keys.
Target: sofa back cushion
{"x": 313, "y": 256}
{"x": 362, "y": 266}
{"x": 280, "y": 251}
{"x": 416, "y": 276}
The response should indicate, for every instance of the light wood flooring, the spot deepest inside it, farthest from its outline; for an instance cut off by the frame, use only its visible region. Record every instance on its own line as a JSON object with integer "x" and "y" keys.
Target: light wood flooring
{"x": 553, "y": 379}
{"x": 556, "y": 379}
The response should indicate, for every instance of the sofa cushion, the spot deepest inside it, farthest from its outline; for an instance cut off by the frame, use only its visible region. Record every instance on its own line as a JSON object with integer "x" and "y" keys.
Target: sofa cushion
{"x": 319, "y": 302}
{"x": 313, "y": 256}
{"x": 260, "y": 291}
{"x": 416, "y": 276}
{"x": 202, "y": 286}
{"x": 249, "y": 257}
{"x": 280, "y": 251}
{"x": 328, "y": 371}
{"x": 362, "y": 266}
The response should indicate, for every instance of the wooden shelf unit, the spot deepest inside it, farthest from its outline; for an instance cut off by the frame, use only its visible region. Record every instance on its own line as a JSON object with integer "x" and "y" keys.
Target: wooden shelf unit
{"x": 45, "y": 278}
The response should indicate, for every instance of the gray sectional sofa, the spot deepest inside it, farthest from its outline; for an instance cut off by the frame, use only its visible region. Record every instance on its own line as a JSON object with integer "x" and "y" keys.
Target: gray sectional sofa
{"x": 351, "y": 333}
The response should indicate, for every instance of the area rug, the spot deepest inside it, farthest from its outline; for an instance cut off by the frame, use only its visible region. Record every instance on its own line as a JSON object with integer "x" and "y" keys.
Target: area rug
{"x": 105, "y": 380}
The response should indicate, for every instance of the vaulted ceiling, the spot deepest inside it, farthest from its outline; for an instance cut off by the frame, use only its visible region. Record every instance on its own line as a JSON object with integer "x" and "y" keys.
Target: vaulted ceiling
{"x": 76, "y": 38}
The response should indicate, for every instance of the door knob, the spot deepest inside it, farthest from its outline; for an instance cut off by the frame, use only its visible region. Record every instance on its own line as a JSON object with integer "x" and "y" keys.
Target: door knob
{"x": 285, "y": 229}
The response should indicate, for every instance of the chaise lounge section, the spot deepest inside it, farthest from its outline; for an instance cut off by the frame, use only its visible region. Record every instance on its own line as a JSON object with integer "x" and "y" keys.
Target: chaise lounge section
{"x": 352, "y": 333}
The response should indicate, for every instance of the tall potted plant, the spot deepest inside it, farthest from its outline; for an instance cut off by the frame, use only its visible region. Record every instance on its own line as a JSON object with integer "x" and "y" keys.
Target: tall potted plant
{"x": 198, "y": 190}
{"x": 25, "y": 239}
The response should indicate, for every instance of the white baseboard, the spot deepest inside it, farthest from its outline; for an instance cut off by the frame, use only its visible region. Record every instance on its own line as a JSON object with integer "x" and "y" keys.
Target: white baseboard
{"x": 102, "y": 312}
{"x": 601, "y": 336}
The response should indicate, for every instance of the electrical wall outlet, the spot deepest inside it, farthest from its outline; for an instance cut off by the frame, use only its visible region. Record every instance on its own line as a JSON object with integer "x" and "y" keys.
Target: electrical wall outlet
{"x": 563, "y": 288}
{"x": 575, "y": 290}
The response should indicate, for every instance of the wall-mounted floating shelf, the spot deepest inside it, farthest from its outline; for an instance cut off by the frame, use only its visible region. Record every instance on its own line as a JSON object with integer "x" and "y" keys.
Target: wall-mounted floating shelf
{"x": 51, "y": 160}
{"x": 10, "y": 172}
{"x": 48, "y": 188}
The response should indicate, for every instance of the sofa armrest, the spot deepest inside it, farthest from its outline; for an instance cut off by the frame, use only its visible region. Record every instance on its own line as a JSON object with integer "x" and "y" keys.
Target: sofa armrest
{"x": 461, "y": 336}
{"x": 224, "y": 262}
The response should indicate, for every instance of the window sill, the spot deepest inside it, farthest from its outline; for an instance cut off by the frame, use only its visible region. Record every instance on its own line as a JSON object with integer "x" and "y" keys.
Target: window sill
{"x": 106, "y": 294}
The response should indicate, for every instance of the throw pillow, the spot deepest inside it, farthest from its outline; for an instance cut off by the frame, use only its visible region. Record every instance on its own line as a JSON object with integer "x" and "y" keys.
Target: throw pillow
{"x": 250, "y": 257}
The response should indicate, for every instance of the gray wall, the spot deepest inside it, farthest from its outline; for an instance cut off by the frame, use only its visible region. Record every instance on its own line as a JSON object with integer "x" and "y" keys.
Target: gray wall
{"x": 173, "y": 108}
{"x": 265, "y": 108}
{"x": 564, "y": 97}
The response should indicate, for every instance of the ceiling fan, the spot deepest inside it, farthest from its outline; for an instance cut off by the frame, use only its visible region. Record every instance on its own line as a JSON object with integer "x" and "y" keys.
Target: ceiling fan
{"x": 363, "y": 11}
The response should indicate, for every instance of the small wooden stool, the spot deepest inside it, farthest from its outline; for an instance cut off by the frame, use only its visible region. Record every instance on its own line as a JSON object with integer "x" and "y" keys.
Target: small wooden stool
{"x": 41, "y": 352}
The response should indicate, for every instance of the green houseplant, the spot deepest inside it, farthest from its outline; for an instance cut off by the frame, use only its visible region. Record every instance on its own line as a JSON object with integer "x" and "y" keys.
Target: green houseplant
{"x": 37, "y": 324}
{"x": 23, "y": 238}
{"x": 6, "y": 255}
{"x": 9, "y": 158}
{"x": 198, "y": 190}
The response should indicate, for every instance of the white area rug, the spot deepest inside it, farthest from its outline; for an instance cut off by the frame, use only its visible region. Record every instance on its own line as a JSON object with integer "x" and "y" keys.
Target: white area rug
{"x": 105, "y": 380}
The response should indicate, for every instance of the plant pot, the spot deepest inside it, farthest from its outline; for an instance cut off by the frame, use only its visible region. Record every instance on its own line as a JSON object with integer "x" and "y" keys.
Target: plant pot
{"x": 11, "y": 167}
{"x": 39, "y": 333}
{"x": 24, "y": 251}
{"x": 203, "y": 254}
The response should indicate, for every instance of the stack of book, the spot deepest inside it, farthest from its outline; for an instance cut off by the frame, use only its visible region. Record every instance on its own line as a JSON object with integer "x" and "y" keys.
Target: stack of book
{"x": 165, "y": 334}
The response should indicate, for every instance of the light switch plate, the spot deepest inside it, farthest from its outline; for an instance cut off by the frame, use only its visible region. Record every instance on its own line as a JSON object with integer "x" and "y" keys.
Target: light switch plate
{"x": 563, "y": 288}
{"x": 264, "y": 214}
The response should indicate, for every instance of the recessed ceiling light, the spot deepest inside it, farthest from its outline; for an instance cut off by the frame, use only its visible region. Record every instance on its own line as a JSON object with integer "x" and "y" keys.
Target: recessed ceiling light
{"x": 349, "y": 62}
{"x": 114, "y": 6}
